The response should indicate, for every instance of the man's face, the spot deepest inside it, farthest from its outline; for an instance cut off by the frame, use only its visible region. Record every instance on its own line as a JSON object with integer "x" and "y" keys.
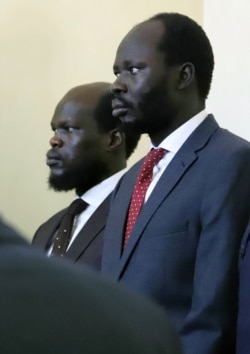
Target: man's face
{"x": 143, "y": 90}
{"x": 77, "y": 155}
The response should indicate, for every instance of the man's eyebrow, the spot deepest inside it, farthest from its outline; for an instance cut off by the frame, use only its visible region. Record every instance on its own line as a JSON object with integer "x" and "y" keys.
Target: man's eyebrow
{"x": 127, "y": 63}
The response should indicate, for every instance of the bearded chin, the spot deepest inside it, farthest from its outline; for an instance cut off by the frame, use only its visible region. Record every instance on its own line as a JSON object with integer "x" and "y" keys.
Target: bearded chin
{"x": 132, "y": 126}
{"x": 81, "y": 178}
{"x": 61, "y": 183}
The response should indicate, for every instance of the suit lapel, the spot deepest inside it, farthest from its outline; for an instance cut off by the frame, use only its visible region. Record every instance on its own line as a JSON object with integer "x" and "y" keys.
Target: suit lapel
{"x": 89, "y": 231}
{"x": 183, "y": 160}
{"x": 113, "y": 241}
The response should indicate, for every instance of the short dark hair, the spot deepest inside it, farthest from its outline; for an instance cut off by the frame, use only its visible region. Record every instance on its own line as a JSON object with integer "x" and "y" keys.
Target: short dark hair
{"x": 106, "y": 122}
{"x": 184, "y": 40}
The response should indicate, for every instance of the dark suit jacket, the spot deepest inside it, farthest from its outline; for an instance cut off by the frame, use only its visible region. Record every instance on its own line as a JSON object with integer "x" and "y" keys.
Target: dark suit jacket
{"x": 87, "y": 247}
{"x": 243, "y": 325}
{"x": 49, "y": 306}
{"x": 183, "y": 249}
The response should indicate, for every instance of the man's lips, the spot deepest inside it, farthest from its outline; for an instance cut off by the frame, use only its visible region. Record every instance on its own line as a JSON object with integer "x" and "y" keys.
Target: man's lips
{"x": 53, "y": 160}
{"x": 119, "y": 108}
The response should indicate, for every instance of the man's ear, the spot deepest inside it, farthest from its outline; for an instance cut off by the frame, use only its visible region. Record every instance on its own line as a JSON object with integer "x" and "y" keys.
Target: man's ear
{"x": 186, "y": 75}
{"x": 116, "y": 138}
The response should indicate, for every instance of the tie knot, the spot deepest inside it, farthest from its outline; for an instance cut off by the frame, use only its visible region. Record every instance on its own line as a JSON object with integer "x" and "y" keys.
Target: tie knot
{"x": 152, "y": 158}
{"x": 76, "y": 207}
{"x": 155, "y": 155}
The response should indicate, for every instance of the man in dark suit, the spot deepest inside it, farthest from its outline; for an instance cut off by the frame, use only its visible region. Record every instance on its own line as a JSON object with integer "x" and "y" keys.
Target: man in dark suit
{"x": 183, "y": 248}
{"x": 51, "y": 306}
{"x": 243, "y": 325}
{"x": 88, "y": 153}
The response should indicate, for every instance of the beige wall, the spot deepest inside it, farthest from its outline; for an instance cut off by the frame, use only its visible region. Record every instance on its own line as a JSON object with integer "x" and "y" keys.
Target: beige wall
{"x": 46, "y": 48}
{"x": 230, "y": 93}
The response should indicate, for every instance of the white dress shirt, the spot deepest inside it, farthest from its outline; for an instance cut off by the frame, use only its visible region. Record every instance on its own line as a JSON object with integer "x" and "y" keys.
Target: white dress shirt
{"x": 172, "y": 143}
{"x": 94, "y": 197}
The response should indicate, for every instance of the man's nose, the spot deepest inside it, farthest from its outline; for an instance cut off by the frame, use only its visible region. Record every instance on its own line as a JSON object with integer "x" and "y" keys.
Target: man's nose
{"x": 56, "y": 141}
{"x": 119, "y": 86}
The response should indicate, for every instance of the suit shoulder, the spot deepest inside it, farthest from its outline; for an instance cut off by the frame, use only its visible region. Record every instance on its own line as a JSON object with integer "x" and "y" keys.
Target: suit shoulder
{"x": 231, "y": 140}
{"x": 52, "y": 219}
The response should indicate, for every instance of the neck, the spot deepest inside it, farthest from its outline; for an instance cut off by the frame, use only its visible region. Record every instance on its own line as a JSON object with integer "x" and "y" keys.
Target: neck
{"x": 112, "y": 170}
{"x": 157, "y": 137}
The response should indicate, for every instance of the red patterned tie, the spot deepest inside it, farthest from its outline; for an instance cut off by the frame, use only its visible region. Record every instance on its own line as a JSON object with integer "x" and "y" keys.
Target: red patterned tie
{"x": 142, "y": 182}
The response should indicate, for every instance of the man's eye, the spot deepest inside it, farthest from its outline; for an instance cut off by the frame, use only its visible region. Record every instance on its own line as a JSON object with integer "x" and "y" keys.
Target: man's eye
{"x": 64, "y": 130}
{"x": 134, "y": 70}
{"x": 70, "y": 129}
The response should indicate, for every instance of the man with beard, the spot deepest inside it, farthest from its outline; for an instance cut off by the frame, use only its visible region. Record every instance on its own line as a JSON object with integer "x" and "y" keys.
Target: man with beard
{"x": 177, "y": 217}
{"x": 88, "y": 153}
{"x": 51, "y": 306}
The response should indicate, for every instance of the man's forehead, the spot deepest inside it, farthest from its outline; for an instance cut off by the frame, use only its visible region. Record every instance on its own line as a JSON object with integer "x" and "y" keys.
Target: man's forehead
{"x": 145, "y": 35}
{"x": 68, "y": 108}
{"x": 87, "y": 95}
{"x": 146, "y": 31}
